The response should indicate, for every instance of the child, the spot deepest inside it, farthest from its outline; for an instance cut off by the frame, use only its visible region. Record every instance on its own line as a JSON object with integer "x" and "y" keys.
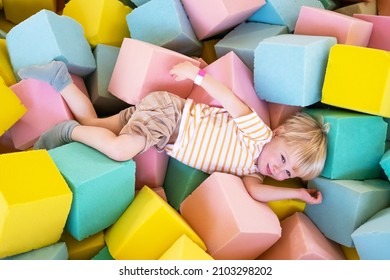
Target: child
{"x": 231, "y": 139}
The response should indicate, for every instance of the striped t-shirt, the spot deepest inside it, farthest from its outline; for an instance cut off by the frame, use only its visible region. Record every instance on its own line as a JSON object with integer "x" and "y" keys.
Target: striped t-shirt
{"x": 211, "y": 140}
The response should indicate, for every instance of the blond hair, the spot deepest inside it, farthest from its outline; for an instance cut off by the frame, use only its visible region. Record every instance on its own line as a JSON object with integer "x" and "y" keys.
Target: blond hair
{"x": 308, "y": 138}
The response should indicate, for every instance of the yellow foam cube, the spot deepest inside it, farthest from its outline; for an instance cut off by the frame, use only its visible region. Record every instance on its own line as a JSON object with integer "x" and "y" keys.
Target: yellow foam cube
{"x": 18, "y": 10}
{"x": 147, "y": 228}
{"x": 287, "y": 207}
{"x": 350, "y": 253}
{"x": 185, "y": 249}
{"x": 96, "y": 17}
{"x": 34, "y": 202}
{"x": 84, "y": 249}
{"x": 11, "y": 108}
{"x": 358, "y": 79}
{"x": 6, "y": 71}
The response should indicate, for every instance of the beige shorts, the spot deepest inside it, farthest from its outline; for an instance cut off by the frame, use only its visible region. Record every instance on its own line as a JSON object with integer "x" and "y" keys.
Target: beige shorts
{"x": 157, "y": 117}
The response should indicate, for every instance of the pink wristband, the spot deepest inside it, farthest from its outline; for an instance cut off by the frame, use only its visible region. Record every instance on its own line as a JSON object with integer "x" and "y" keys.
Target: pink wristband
{"x": 199, "y": 78}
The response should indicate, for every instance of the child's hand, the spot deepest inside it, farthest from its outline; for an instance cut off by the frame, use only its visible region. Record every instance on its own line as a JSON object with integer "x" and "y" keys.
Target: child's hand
{"x": 311, "y": 196}
{"x": 184, "y": 70}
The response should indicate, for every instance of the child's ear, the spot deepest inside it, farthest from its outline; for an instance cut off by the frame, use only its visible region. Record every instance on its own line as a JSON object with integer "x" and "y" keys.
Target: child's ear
{"x": 278, "y": 131}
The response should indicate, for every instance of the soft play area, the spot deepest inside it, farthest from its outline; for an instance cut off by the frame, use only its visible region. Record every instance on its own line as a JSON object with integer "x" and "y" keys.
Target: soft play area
{"x": 328, "y": 58}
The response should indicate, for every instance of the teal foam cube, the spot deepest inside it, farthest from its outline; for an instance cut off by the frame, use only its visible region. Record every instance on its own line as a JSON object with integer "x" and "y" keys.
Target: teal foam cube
{"x": 385, "y": 163}
{"x": 103, "y": 254}
{"x": 47, "y": 36}
{"x": 290, "y": 69}
{"x": 102, "y": 188}
{"x": 180, "y": 181}
{"x": 346, "y": 205}
{"x": 356, "y": 143}
{"x": 283, "y": 12}
{"x": 97, "y": 83}
{"x": 244, "y": 39}
{"x": 57, "y": 251}
{"x": 372, "y": 239}
{"x": 164, "y": 23}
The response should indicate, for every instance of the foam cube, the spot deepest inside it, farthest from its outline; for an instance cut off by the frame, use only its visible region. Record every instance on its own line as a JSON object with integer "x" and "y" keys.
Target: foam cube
{"x": 45, "y": 108}
{"x": 290, "y": 69}
{"x": 147, "y": 229}
{"x": 151, "y": 168}
{"x": 347, "y": 204}
{"x": 287, "y": 207}
{"x": 97, "y": 83}
{"x": 281, "y": 12}
{"x": 212, "y": 18}
{"x": 6, "y": 71}
{"x": 364, "y": 7}
{"x": 231, "y": 223}
{"x": 278, "y": 113}
{"x": 46, "y": 36}
{"x": 350, "y": 253}
{"x": 302, "y": 240}
{"x": 381, "y": 25}
{"x": 348, "y": 30}
{"x": 11, "y": 108}
{"x": 385, "y": 163}
{"x": 57, "y": 251}
{"x": 34, "y": 204}
{"x": 17, "y": 11}
{"x": 365, "y": 75}
{"x": 329, "y": 4}
{"x": 180, "y": 181}
{"x": 352, "y": 137}
{"x": 103, "y": 254}
{"x": 98, "y": 22}
{"x": 372, "y": 239}
{"x": 6, "y": 144}
{"x": 383, "y": 7}
{"x": 244, "y": 39}
{"x": 102, "y": 188}
{"x": 185, "y": 249}
{"x": 208, "y": 52}
{"x": 142, "y": 68}
{"x": 231, "y": 71}
{"x": 84, "y": 249}
{"x": 164, "y": 23}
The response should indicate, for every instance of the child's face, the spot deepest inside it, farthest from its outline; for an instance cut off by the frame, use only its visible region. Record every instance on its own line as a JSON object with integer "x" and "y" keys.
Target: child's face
{"x": 276, "y": 160}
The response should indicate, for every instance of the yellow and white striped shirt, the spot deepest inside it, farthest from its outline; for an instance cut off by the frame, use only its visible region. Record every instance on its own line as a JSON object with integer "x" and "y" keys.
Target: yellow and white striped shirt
{"x": 211, "y": 140}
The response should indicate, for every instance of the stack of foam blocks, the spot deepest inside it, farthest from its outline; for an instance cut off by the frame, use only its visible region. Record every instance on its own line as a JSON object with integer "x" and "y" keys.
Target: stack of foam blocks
{"x": 328, "y": 59}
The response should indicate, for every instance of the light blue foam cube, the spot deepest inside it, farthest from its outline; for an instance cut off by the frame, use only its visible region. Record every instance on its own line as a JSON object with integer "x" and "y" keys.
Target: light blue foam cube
{"x": 346, "y": 205}
{"x": 97, "y": 83}
{"x": 244, "y": 39}
{"x": 356, "y": 143}
{"x": 102, "y": 188}
{"x": 290, "y": 69}
{"x": 57, "y": 251}
{"x": 372, "y": 239}
{"x": 47, "y": 36}
{"x": 283, "y": 12}
{"x": 164, "y": 23}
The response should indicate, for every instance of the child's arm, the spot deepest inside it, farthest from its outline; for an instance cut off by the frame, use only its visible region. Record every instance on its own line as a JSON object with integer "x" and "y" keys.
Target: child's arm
{"x": 235, "y": 106}
{"x": 265, "y": 193}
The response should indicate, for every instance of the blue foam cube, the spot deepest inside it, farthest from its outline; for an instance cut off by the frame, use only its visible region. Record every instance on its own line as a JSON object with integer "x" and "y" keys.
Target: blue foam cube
{"x": 102, "y": 188}
{"x": 372, "y": 239}
{"x": 245, "y": 38}
{"x": 290, "y": 69}
{"x": 57, "y": 251}
{"x": 47, "y": 36}
{"x": 97, "y": 83}
{"x": 283, "y": 12}
{"x": 346, "y": 205}
{"x": 356, "y": 143}
{"x": 164, "y": 23}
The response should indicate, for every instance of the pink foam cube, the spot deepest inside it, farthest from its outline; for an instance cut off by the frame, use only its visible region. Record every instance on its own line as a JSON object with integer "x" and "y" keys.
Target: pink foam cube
{"x": 45, "y": 108}
{"x": 302, "y": 240}
{"x": 230, "y": 222}
{"x": 142, "y": 68}
{"x": 347, "y": 29}
{"x": 278, "y": 113}
{"x": 380, "y": 38}
{"x": 209, "y": 18}
{"x": 233, "y": 72}
{"x": 151, "y": 167}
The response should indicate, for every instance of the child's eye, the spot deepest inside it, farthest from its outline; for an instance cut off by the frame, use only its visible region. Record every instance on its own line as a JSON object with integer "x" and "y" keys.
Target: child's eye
{"x": 283, "y": 159}
{"x": 288, "y": 173}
